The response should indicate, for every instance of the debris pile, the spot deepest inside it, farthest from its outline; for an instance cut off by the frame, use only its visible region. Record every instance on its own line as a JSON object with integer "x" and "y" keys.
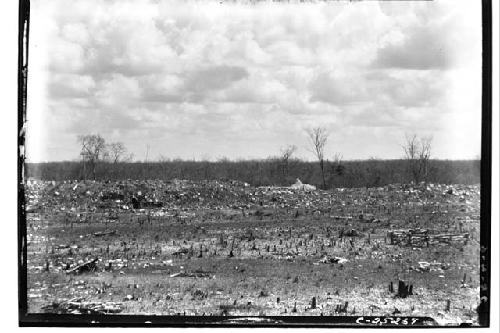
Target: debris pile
{"x": 80, "y": 306}
{"x": 77, "y": 200}
{"x": 333, "y": 260}
{"x": 422, "y": 237}
{"x": 424, "y": 266}
{"x": 302, "y": 187}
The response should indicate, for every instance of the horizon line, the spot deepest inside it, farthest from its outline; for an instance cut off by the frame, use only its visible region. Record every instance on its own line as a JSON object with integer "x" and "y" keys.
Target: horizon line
{"x": 224, "y": 159}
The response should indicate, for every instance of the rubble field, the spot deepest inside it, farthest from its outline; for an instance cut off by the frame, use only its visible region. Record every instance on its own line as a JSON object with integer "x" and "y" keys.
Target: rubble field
{"x": 228, "y": 248}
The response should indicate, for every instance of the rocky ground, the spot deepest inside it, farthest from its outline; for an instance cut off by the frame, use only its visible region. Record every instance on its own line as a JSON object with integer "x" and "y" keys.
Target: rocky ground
{"x": 228, "y": 248}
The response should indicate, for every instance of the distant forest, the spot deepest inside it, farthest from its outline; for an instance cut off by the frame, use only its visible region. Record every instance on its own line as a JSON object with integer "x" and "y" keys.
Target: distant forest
{"x": 271, "y": 171}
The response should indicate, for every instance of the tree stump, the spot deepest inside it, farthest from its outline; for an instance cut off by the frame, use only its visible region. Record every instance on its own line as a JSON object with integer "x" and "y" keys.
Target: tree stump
{"x": 404, "y": 289}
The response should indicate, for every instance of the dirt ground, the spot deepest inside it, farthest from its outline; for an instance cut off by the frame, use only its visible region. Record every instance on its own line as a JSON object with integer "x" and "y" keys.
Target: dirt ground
{"x": 227, "y": 248}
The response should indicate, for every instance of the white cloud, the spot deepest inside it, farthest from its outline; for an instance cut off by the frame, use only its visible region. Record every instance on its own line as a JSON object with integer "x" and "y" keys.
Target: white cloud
{"x": 252, "y": 77}
{"x": 71, "y": 85}
{"x": 117, "y": 90}
{"x": 75, "y": 33}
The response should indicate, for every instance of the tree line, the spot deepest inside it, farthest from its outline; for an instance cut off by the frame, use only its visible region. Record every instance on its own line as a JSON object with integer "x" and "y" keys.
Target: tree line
{"x": 102, "y": 161}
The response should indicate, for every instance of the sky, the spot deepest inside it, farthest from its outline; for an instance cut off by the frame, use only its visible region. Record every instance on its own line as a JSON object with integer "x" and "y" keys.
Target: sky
{"x": 206, "y": 80}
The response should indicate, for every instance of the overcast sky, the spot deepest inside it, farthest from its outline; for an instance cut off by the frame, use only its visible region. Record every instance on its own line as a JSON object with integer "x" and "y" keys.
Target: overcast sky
{"x": 195, "y": 79}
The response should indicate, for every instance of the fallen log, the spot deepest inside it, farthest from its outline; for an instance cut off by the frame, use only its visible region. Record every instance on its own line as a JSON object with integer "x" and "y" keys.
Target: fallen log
{"x": 89, "y": 266}
{"x": 80, "y": 306}
{"x": 181, "y": 251}
{"x": 104, "y": 233}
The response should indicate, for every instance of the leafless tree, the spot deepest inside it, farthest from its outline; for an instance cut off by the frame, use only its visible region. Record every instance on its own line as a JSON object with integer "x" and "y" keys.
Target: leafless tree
{"x": 116, "y": 151}
{"x": 318, "y": 137}
{"x": 417, "y": 153}
{"x": 92, "y": 149}
{"x": 337, "y": 167}
{"x": 337, "y": 158}
{"x": 286, "y": 155}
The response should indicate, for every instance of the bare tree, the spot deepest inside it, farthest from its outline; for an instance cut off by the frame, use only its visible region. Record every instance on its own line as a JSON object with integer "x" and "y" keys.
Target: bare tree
{"x": 93, "y": 146}
{"x": 318, "y": 137}
{"x": 128, "y": 158}
{"x": 338, "y": 168}
{"x": 286, "y": 155}
{"x": 417, "y": 153}
{"x": 116, "y": 151}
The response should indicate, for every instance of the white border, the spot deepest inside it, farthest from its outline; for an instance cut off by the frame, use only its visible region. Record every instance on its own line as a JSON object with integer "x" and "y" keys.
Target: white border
{"x": 8, "y": 174}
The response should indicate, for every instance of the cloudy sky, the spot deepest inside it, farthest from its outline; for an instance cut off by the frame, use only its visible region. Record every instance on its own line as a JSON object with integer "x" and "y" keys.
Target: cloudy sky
{"x": 203, "y": 80}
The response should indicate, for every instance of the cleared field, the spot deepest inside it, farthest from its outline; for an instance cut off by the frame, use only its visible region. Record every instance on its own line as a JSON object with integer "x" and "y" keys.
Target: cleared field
{"x": 227, "y": 248}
